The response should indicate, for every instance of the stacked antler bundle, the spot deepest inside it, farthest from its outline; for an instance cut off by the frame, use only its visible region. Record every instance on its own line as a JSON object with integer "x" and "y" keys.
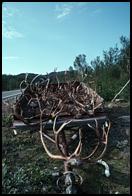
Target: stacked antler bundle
{"x": 72, "y": 99}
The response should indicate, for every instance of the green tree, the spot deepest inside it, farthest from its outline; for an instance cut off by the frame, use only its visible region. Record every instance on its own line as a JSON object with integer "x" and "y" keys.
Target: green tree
{"x": 81, "y": 65}
{"x": 124, "y": 57}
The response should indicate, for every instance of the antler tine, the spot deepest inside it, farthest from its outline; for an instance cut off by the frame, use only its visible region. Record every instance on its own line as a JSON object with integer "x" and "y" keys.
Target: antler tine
{"x": 106, "y": 133}
{"x": 78, "y": 103}
{"x": 54, "y": 123}
{"x": 55, "y": 114}
{"x": 49, "y": 138}
{"x": 97, "y": 128}
{"x": 92, "y": 153}
{"x": 104, "y": 142}
{"x": 108, "y": 129}
{"x": 62, "y": 126}
{"x": 57, "y": 135}
{"x": 45, "y": 89}
{"x": 32, "y": 82}
{"x": 60, "y": 157}
{"x": 92, "y": 101}
{"x": 97, "y": 106}
{"x": 21, "y": 85}
{"x": 48, "y": 81}
{"x": 77, "y": 88}
{"x": 58, "y": 111}
{"x": 97, "y": 145}
{"x": 78, "y": 149}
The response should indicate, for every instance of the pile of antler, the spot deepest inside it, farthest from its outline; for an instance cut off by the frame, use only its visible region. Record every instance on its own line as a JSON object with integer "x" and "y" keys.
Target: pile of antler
{"x": 66, "y": 99}
{"x": 46, "y": 101}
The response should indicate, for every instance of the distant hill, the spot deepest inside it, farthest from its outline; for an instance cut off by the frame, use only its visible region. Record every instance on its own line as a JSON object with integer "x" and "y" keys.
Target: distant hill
{"x": 12, "y": 82}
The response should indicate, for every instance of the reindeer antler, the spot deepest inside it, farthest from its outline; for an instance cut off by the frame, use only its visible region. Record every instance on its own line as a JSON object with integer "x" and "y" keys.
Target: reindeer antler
{"x": 103, "y": 141}
{"x": 53, "y": 103}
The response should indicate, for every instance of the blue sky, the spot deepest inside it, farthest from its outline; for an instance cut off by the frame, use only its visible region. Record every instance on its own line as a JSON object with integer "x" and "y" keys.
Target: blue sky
{"x": 40, "y": 36}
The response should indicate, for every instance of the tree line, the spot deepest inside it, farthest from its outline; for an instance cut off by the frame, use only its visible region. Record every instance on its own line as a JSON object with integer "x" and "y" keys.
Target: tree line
{"x": 106, "y": 75}
{"x": 109, "y": 74}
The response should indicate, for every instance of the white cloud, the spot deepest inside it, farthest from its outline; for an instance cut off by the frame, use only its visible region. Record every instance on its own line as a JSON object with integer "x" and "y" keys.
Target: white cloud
{"x": 63, "y": 10}
{"x": 9, "y": 11}
{"x": 10, "y": 57}
{"x": 10, "y": 32}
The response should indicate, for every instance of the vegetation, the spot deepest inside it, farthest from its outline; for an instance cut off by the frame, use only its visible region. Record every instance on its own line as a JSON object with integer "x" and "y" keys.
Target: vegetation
{"x": 19, "y": 175}
{"x": 109, "y": 74}
{"x": 7, "y": 120}
{"x": 26, "y": 168}
{"x": 106, "y": 75}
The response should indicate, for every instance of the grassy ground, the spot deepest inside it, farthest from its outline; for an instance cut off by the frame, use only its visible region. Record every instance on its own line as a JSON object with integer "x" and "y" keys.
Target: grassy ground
{"x": 26, "y": 168}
